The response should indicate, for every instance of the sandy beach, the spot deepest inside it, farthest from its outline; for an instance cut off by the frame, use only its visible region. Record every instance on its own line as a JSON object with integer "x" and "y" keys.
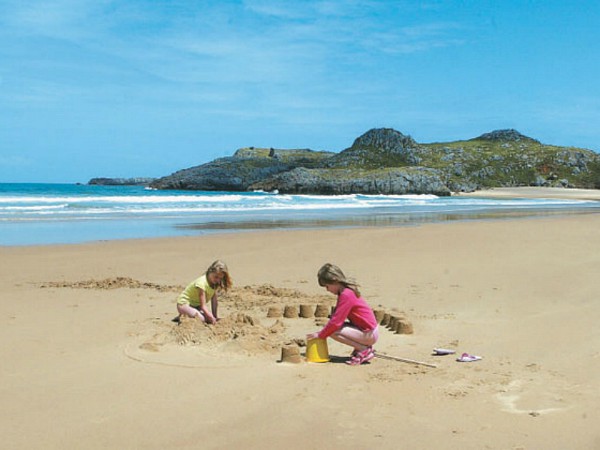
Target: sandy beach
{"x": 537, "y": 192}
{"x": 91, "y": 358}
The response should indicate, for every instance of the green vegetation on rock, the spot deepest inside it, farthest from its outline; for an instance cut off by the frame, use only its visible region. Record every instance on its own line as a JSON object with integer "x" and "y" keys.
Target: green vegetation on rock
{"x": 383, "y": 160}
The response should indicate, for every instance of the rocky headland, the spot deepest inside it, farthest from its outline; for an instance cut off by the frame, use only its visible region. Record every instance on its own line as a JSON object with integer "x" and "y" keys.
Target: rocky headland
{"x": 385, "y": 161}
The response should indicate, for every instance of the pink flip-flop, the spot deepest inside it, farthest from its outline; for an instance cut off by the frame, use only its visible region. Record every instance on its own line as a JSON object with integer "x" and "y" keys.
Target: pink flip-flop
{"x": 465, "y": 357}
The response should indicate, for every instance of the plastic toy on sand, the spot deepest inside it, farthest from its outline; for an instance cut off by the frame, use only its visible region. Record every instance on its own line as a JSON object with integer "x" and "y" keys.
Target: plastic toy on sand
{"x": 443, "y": 351}
{"x": 317, "y": 350}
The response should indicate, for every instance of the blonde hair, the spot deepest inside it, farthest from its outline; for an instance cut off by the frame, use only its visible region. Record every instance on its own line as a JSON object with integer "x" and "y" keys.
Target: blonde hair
{"x": 329, "y": 274}
{"x": 220, "y": 267}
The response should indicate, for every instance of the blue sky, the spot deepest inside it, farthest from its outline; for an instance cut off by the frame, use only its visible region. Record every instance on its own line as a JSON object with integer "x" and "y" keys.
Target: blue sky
{"x": 146, "y": 87}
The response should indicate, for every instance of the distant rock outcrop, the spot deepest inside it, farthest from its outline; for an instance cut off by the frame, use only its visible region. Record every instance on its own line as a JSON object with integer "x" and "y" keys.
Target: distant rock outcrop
{"x": 385, "y": 161}
{"x": 121, "y": 181}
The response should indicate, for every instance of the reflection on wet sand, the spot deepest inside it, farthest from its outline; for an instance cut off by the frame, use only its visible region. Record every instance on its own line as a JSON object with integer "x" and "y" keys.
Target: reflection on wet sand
{"x": 377, "y": 220}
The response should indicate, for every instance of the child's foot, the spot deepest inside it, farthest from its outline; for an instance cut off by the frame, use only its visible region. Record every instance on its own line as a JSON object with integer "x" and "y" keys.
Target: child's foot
{"x": 361, "y": 357}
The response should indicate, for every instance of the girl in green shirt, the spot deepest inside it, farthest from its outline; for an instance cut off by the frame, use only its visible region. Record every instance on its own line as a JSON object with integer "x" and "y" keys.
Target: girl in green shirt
{"x": 193, "y": 301}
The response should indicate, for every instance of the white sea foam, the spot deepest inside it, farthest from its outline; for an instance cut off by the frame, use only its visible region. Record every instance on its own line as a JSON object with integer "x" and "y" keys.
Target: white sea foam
{"x": 125, "y": 199}
{"x": 33, "y": 208}
{"x": 78, "y": 213}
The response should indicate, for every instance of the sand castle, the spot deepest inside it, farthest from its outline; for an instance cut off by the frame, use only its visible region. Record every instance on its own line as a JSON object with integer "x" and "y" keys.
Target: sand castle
{"x": 395, "y": 322}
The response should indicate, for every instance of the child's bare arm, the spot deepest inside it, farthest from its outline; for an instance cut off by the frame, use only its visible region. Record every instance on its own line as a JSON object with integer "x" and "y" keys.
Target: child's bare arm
{"x": 214, "y": 304}
{"x": 204, "y": 308}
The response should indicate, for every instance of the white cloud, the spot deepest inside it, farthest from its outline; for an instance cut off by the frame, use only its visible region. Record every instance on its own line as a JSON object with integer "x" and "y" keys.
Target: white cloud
{"x": 60, "y": 19}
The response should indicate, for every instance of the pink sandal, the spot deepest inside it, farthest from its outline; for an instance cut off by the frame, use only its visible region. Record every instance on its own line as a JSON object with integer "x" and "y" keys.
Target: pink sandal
{"x": 359, "y": 358}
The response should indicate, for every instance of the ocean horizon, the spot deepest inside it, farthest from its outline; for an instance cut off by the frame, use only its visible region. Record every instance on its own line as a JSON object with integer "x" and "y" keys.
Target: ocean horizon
{"x": 47, "y": 214}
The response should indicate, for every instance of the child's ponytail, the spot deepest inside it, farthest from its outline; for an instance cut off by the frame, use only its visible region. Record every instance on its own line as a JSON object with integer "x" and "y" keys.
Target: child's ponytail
{"x": 330, "y": 273}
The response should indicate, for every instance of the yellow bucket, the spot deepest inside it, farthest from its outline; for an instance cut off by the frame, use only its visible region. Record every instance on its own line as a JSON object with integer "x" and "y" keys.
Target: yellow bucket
{"x": 317, "y": 351}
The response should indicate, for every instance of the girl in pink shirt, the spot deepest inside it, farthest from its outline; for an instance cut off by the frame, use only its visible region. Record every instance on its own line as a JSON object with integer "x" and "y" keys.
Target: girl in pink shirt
{"x": 360, "y": 331}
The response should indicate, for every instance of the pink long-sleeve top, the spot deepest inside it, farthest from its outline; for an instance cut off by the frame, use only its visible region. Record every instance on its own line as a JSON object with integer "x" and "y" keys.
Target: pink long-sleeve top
{"x": 353, "y": 308}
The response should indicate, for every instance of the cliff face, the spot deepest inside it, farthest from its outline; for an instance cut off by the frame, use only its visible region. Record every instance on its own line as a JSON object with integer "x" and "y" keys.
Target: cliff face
{"x": 238, "y": 172}
{"x": 223, "y": 174}
{"x": 414, "y": 180}
{"x": 385, "y": 161}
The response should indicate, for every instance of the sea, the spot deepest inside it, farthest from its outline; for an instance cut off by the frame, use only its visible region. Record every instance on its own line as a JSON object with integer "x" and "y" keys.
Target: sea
{"x": 47, "y": 214}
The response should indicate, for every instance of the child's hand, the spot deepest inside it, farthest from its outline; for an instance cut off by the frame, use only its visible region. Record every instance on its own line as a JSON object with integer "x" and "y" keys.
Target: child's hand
{"x": 314, "y": 335}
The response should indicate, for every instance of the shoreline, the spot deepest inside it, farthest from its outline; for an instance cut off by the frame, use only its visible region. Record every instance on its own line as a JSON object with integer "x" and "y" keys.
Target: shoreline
{"x": 379, "y": 222}
{"x": 76, "y": 232}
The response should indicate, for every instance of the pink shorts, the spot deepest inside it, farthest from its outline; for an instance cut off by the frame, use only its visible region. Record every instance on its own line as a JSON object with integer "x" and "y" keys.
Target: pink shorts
{"x": 372, "y": 335}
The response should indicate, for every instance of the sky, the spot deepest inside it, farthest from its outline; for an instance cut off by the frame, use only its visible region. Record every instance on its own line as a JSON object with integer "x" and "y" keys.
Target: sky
{"x": 143, "y": 88}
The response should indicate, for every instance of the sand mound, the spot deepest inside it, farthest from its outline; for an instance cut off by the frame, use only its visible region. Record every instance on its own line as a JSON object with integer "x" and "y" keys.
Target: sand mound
{"x": 245, "y": 297}
{"x": 241, "y": 330}
{"x": 238, "y": 330}
{"x": 111, "y": 283}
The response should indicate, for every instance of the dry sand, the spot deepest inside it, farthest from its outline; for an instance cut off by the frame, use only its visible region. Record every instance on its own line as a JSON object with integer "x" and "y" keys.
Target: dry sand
{"x": 91, "y": 359}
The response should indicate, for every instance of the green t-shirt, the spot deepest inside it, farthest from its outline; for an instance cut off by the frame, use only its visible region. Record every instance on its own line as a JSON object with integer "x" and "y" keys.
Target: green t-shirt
{"x": 191, "y": 294}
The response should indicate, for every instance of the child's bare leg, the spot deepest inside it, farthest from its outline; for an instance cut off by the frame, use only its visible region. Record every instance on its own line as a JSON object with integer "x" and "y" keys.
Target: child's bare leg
{"x": 356, "y": 338}
{"x": 189, "y": 311}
